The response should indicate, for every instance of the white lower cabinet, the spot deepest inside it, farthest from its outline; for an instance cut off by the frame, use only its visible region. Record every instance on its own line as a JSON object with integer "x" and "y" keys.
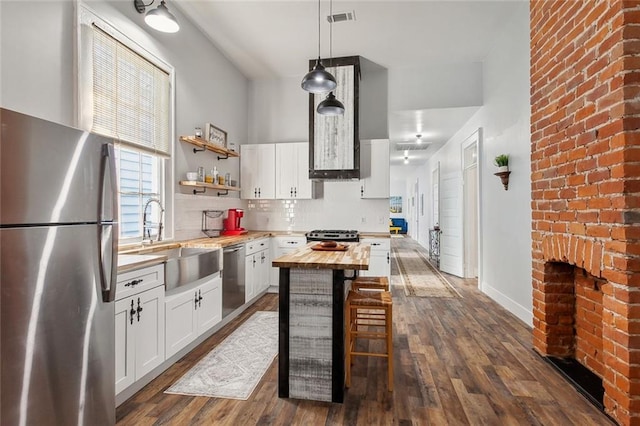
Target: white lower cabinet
{"x": 139, "y": 329}
{"x": 279, "y": 247}
{"x": 191, "y": 313}
{"x": 257, "y": 267}
{"x": 380, "y": 260}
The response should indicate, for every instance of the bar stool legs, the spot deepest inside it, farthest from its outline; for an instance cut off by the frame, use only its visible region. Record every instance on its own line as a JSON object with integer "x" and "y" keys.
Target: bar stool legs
{"x": 369, "y": 316}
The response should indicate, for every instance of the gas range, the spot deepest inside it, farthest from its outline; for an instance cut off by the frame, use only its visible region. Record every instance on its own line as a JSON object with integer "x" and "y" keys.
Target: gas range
{"x": 333, "y": 235}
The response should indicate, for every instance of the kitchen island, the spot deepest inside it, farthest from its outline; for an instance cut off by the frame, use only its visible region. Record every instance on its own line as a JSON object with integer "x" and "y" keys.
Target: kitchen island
{"x": 311, "y": 325}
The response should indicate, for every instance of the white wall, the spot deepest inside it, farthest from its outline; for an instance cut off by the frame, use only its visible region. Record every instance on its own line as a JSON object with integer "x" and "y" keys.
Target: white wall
{"x": 397, "y": 186}
{"x": 505, "y": 216}
{"x": 38, "y": 78}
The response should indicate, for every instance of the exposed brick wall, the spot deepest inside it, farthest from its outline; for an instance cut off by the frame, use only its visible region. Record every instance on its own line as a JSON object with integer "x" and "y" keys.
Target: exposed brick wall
{"x": 585, "y": 173}
{"x": 588, "y": 321}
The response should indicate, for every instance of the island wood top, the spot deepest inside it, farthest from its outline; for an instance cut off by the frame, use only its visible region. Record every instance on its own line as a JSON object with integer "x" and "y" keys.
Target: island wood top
{"x": 356, "y": 257}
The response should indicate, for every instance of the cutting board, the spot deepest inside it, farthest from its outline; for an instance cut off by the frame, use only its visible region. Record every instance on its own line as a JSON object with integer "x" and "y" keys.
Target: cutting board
{"x": 339, "y": 247}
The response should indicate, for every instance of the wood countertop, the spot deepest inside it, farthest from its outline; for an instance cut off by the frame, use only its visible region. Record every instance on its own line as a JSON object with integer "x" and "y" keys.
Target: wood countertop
{"x": 356, "y": 257}
{"x": 129, "y": 262}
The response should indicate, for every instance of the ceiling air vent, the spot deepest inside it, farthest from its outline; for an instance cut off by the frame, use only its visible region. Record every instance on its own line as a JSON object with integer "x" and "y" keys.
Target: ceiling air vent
{"x": 411, "y": 146}
{"x": 342, "y": 17}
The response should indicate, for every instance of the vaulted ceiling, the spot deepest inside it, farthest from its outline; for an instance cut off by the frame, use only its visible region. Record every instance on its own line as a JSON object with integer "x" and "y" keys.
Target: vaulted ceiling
{"x": 275, "y": 39}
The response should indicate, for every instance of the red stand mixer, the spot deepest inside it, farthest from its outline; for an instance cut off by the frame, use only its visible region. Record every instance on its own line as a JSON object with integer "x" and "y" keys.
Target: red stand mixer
{"x": 232, "y": 223}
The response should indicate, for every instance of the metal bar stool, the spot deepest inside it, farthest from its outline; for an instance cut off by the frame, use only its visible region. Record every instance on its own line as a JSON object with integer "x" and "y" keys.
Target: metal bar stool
{"x": 373, "y": 310}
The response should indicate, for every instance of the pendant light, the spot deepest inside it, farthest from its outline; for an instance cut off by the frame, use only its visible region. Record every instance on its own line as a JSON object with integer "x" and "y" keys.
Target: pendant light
{"x": 330, "y": 106}
{"x": 159, "y": 18}
{"x": 318, "y": 80}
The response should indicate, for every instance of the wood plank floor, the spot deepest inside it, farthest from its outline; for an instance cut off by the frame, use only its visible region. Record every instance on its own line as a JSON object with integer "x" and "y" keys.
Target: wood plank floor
{"x": 458, "y": 361}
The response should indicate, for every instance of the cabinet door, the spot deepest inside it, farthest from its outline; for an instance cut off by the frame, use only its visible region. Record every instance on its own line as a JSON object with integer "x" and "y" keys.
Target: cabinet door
{"x": 125, "y": 346}
{"x": 374, "y": 160}
{"x": 181, "y": 325}
{"x": 286, "y": 170}
{"x": 249, "y": 277}
{"x": 380, "y": 260}
{"x": 304, "y": 185}
{"x": 149, "y": 323}
{"x": 266, "y": 171}
{"x": 264, "y": 271}
{"x": 249, "y": 171}
{"x": 209, "y": 310}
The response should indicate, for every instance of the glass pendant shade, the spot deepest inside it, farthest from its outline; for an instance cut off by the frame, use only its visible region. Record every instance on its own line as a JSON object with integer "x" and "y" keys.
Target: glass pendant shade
{"x": 161, "y": 19}
{"x": 330, "y": 106}
{"x": 318, "y": 80}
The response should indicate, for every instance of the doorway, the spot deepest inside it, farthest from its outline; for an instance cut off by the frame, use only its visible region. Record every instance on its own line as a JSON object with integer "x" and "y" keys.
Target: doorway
{"x": 470, "y": 198}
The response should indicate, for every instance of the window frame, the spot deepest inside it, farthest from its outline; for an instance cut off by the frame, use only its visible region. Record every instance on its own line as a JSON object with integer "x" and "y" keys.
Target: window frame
{"x": 85, "y": 16}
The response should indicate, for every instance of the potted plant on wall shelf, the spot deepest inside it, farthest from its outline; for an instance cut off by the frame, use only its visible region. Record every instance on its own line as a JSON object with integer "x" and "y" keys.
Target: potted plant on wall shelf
{"x": 502, "y": 161}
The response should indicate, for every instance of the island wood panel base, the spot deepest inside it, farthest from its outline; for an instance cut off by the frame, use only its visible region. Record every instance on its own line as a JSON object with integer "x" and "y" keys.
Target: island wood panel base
{"x": 311, "y": 339}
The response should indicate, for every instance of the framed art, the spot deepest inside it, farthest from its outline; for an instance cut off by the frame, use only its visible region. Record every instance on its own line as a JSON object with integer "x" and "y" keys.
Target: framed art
{"x": 215, "y": 135}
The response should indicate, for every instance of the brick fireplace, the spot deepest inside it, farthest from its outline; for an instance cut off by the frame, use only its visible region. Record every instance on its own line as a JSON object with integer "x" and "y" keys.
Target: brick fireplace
{"x": 585, "y": 173}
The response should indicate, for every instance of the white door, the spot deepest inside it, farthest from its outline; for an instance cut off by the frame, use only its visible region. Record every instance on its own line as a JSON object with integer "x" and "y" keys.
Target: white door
{"x": 471, "y": 222}
{"x": 150, "y": 331}
{"x": 181, "y": 325}
{"x": 451, "y": 224}
{"x": 125, "y": 345}
{"x": 209, "y": 310}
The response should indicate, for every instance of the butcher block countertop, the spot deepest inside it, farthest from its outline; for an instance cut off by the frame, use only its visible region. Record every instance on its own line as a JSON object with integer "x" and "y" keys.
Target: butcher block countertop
{"x": 355, "y": 257}
{"x": 129, "y": 262}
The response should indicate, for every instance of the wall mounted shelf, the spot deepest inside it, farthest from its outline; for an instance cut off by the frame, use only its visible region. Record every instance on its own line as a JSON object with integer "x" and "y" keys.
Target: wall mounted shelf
{"x": 201, "y": 187}
{"x": 202, "y": 145}
{"x": 504, "y": 177}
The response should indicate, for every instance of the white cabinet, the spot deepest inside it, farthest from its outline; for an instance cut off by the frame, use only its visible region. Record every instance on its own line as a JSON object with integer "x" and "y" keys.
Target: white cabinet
{"x": 292, "y": 171}
{"x": 191, "y": 313}
{"x": 374, "y": 168}
{"x": 257, "y": 171}
{"x": 139, "y": 325}
{"x": 380, "y": 260}
{"x": 279, "y": 247}
{"x": 257, "y": 267}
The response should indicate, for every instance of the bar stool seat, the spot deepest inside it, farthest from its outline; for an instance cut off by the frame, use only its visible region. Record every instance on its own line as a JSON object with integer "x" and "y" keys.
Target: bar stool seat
{"x": 370, "y": 283}
{"x": 369, "y": 316}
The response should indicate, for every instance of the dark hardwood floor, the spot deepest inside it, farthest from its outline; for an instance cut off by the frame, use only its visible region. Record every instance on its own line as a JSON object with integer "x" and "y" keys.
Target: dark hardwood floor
{"x": 458, "y": 361}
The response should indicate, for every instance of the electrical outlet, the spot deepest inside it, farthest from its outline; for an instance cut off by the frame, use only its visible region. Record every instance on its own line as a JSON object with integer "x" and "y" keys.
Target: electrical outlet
{"x": 381, "y": 220}
{"x": 363, "y": 220}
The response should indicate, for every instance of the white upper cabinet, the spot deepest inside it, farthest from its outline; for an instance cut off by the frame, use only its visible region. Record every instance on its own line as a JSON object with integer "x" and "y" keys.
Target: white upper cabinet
{"x": 292, "y": 171}
{"x": 257, "y": 171}
{"x": 374, "y": 168}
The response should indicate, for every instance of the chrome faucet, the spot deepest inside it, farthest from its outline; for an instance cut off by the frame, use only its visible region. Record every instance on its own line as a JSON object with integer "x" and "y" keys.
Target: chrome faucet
{"x": 146, "y": 226}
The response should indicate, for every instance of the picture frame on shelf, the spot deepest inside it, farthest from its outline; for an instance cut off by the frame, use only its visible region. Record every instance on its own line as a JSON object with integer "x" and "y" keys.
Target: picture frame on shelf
{"x": 215, "y": 136}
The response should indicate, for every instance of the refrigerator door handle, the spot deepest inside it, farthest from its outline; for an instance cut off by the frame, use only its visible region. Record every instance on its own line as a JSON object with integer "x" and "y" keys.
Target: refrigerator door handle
{"x": 108, "y": 228}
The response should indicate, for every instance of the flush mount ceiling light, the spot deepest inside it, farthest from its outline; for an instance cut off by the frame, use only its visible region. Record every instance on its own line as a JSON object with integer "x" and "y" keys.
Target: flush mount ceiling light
{"x": 419, "y": 137}
{"x": 330, "y": 106}
{"x": 406, "y": 160}
{"x": 318, "y": 80}
{"x": 159, "y": 18}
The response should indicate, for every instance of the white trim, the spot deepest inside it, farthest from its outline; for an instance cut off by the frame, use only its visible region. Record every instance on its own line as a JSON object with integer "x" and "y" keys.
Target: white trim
{"x": 509, "y": 304}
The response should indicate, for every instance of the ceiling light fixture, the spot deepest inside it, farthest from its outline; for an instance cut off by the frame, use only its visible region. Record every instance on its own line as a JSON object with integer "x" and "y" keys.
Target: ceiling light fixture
{"x": 330, "y": 106}
{"x": 419, "y": 137}
{"x": 406, "y": 160}
{"x": 159, "y": 18}
{"x": 318, "y": 80}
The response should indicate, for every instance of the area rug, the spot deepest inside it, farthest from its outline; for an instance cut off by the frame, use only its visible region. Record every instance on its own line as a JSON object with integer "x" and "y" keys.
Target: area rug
{"x": 419, "y": 278}
{"x": 234, "y": 368}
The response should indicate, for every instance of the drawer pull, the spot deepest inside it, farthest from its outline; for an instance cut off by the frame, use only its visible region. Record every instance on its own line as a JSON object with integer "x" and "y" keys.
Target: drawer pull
{"x": 133, "y": 283}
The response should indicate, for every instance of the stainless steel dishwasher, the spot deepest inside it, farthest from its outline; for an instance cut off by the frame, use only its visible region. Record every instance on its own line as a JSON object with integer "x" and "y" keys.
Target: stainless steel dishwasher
{"x": 233, "y": 288}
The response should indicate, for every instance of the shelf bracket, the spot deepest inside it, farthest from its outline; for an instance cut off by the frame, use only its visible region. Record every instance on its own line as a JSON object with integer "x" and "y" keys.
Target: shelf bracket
{"x": 226, "y": 192}
{"x": 223, "y": 158}
{"x": 196, "y": 150}
{"x": 195, "y": 191}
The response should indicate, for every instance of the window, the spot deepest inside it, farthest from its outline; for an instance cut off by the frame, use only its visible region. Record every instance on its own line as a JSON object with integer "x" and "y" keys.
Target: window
{"x": 126, "y": 93}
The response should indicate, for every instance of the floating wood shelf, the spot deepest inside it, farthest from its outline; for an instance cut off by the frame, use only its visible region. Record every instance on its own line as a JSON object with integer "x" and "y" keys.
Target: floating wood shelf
{"x": 204, "y": 186}
{"x": 202, "y": 145}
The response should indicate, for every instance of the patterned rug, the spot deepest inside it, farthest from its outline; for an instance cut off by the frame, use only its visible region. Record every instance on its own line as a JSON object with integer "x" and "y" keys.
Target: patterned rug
{"x": 418, "y": 277}
{"x": 234, "y": 368}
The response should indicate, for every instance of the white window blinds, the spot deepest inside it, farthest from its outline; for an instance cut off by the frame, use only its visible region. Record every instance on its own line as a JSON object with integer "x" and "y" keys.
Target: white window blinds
{"x": 131, "y": 95}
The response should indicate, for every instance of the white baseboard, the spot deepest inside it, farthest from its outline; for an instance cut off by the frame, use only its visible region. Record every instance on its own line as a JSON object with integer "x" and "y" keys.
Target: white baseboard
{"x": 509, "y": 304}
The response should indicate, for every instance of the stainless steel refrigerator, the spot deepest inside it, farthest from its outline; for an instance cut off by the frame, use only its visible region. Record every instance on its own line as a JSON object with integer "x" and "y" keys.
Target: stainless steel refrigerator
{"x": 58, "y": 259}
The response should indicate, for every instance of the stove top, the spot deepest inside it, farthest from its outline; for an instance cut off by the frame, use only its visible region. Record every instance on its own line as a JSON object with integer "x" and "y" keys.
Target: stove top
{"x": 333, "y": 235}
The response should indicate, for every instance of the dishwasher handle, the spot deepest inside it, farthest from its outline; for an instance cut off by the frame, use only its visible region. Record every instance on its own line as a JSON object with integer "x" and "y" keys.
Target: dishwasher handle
{"x": 231, "y": 249}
